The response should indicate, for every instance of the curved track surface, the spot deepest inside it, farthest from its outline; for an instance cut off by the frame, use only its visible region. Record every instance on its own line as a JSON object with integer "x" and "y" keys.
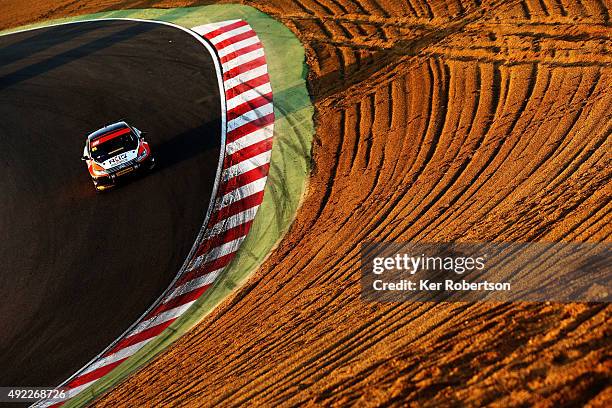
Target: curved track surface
{"x": 76, "y": 267}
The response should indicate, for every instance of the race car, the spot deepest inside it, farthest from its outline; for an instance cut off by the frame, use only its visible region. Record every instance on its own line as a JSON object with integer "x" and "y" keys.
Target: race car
{"x": 114, "y": 151}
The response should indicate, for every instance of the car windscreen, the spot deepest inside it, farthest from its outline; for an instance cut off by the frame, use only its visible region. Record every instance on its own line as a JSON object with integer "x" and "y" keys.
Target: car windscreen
{"x": 102, "y": 150}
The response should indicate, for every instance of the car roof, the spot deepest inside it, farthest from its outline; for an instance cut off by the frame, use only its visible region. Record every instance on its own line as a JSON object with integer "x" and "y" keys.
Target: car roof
{"x": 107, "y": 129}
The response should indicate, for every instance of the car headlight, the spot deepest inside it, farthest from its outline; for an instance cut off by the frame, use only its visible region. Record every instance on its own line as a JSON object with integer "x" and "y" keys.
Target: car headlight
{"x": 98, "y": 170}
{"x": 142, "y": 152}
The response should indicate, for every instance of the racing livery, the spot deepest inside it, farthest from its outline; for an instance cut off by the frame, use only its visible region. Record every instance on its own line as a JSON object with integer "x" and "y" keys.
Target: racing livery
{"x": 114, "y": 151}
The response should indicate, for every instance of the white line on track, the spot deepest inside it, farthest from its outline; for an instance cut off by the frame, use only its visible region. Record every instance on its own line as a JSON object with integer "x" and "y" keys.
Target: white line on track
{"x": 235, "y": 220}
{"x": 250, "y": 116}
{"x": 249, "y": 95}
{"x": 247, "y": 165}
{"x": 242, "y": 192}
{"x": 194, "y": 284}
{"x": 120, "y": 355}
{"x": 217, "y": 252}
{"x": 250, "y": 139}
{"x": 210, "y": 27}
{"x": 238, "y": 46}
{"x": 160, "y": 318}
{"x": 243, "y": 59}
{"x": 246, "y": 76}
{"x": 230, "y": 34}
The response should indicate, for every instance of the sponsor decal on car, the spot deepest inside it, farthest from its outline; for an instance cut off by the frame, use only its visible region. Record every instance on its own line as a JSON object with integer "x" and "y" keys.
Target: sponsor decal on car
{"x": 117, "y": 159}
{"x": 122, "y": 172}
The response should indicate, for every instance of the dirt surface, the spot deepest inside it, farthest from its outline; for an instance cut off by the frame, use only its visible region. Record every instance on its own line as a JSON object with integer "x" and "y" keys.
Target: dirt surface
{"x": 436, "y": 120}
{"x": 77, "y": 268}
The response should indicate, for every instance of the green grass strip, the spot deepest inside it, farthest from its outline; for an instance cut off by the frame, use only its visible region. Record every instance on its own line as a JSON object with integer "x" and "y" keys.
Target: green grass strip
{"x": 289, "y": 170}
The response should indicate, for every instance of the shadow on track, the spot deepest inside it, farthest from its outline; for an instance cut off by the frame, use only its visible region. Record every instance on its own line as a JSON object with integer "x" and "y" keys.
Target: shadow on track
{"x": 181, "y": 147}
{"x": 68, "y": 56}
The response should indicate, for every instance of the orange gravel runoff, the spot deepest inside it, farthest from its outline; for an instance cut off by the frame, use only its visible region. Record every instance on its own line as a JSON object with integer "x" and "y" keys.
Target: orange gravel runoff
{"x": 435, "y": 121}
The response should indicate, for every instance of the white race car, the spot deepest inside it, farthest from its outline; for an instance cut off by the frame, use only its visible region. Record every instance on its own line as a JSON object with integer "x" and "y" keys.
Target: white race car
{"x": 115, "y": 151}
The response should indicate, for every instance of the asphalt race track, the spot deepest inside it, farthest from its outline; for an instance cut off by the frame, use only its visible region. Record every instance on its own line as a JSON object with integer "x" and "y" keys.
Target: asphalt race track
{"x": 77, "y": 267}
